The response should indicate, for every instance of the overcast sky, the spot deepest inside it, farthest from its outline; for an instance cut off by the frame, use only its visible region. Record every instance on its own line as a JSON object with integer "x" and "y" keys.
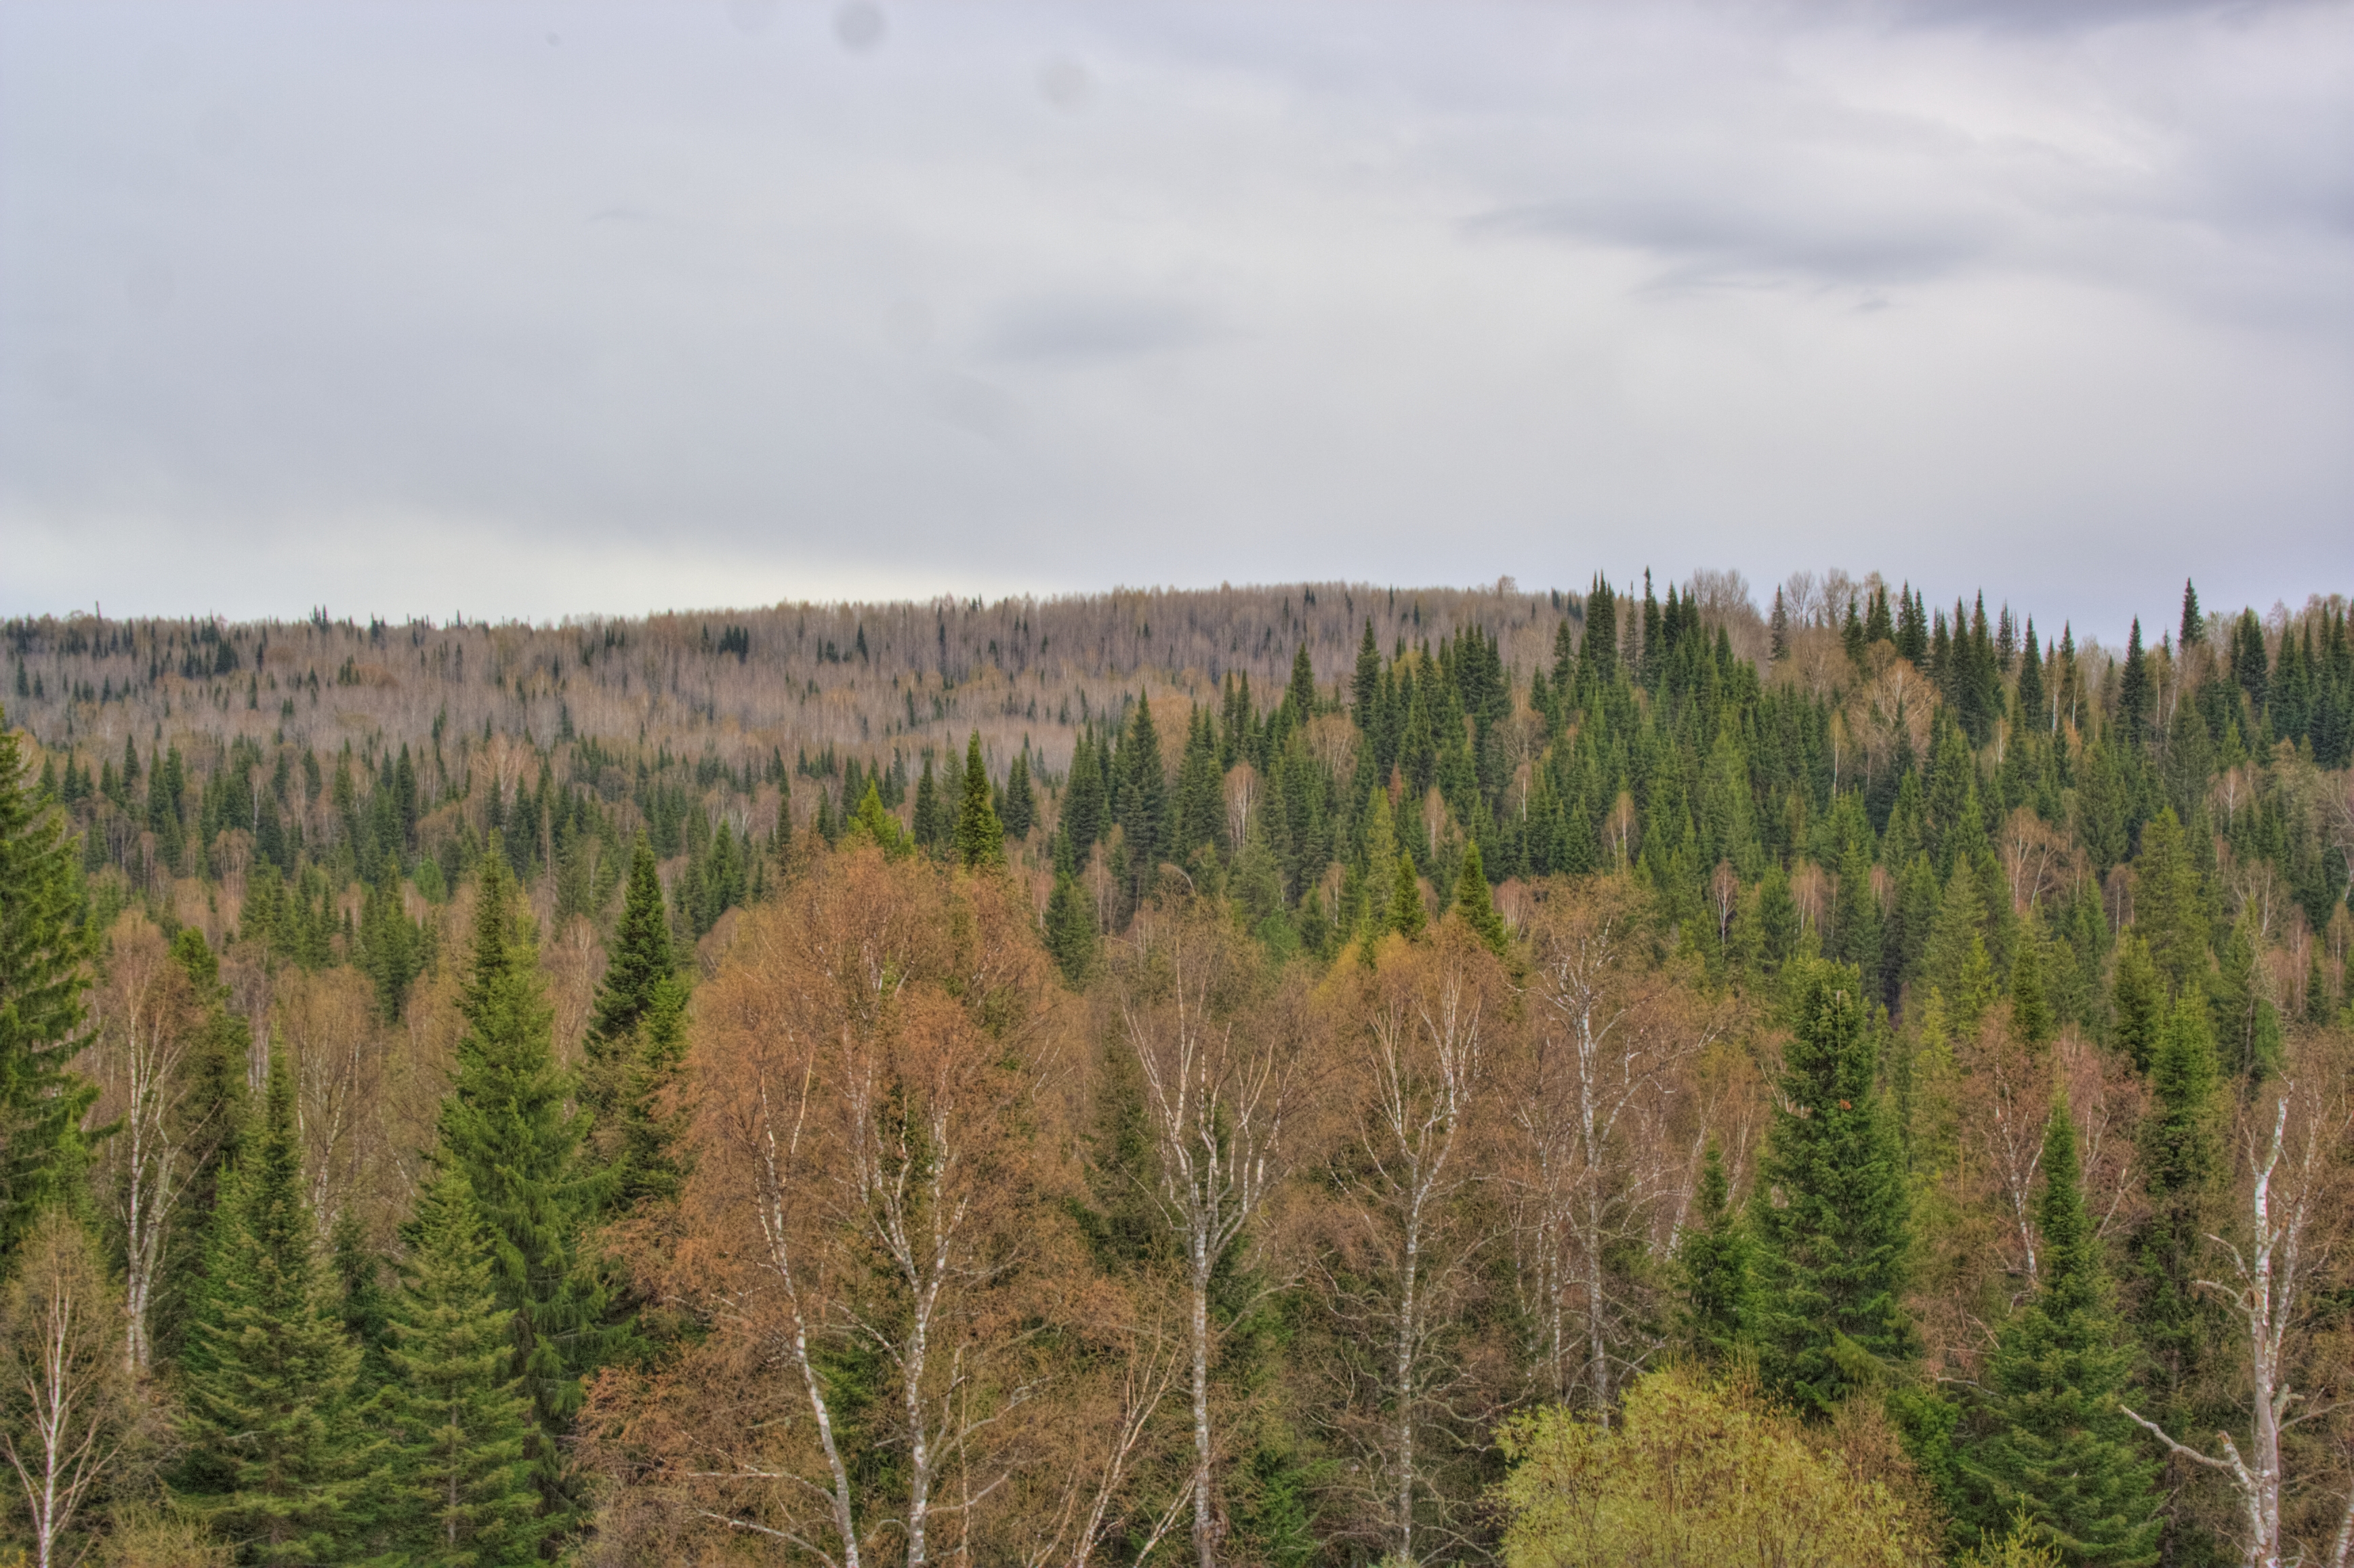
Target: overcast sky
{"x": 529, "y": 309}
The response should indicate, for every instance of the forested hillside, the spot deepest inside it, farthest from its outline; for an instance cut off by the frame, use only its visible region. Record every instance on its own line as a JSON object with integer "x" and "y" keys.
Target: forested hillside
{"x": 1312, "y": 1076}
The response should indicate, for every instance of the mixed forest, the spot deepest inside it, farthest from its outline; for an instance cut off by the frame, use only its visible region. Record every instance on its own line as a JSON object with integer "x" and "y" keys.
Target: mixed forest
{"x": 1302, "y": 1076}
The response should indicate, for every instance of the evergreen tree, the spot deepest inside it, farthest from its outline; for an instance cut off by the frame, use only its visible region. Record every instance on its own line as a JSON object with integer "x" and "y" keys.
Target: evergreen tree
{"x": 2167, "y": 903}
{"x": 2194, "y": 625}
{"x": 277, "y": 1458}
{"x": 1143, "y": 800}
{"x": 1473, "y": 905}
{"x": 928, "y": 828}
{"x": 2247, "y": 1026}
{"x": 1071, "y": 928}
{"x": 459, "y": 1490}
{"x": 44, "y": 952}
{"x": 873, "y": 823}
{"x": 1713, "y": 1260}
{"x": 1406, "y": 915}
{"x": 508, "y": 1129}
{"x": 2182, "y": 1156}
{"x": 210, "y": 1119}
{"x": 1831, "y": 1318}
{"x": 1021, "y": 802}
{"x": 1365, "y": 691}
{"x": 980, "y": 838}
{"x": 2134, "y": 696}
{"x": 2136, "y": 1001}
{"x": 2056, "y": 1445}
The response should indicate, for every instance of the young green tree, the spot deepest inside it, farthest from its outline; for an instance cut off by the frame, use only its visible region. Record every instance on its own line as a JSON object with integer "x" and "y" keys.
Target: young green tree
{"x": 1406, "y": 915}
{"x": 1071, "y": 928}
{"x": 1831, "y": 1212}
{"x": 1713, "y": 1260}
{"x": 459, "y": 1491}
{"x": 44, "y": 979}
{"x": 508, "y": 1127}
{"x": 2056, "y": 1445}
{"x": 278, "y": 1457}
{"x": 1473, "y": 907}
{"x": 2181, "y": 1159}
{"x": 980, "y": 838}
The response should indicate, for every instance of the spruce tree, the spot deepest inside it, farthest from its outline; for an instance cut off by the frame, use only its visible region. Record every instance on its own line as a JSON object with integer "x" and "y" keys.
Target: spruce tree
{"x": 1473, "y": 905}
{"x": 1071, "y": 928}
{"x": 277, "y": 1454}
{"x": 2136, "y": 1002}
{"x": 2168, "y": 903}
{"x": 926, "y": 821}
{"x": 2182, "y": 1156}
{"x": 44, "y": 979}
{"x": 980, "y": 838}
{"x": 1714, "y": 1263}
{"x": 1143, "y": 803}
{"x": 1831, "y": 1211}
{"x": 2055, "y": 1444}
{"x": 1406, "y": 915}
{"x": 507, "y": 1127}
{"x": 209, "y": 1121}
{"x": 1021, "y": 803}
{"x": 458, "y": 1492}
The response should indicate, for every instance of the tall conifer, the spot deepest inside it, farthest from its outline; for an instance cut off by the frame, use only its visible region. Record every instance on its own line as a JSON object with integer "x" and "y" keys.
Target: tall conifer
{"x": 277, "y": 1456}
{"x": 2056, "y": 1445}
{"x": 459, "y": 1490}
{"x": 1831, "y": 1212}
{"x": 43, "y": 980}
{"x": 1712, "y": 1258}
{"x": 508, "y": 1127}
{"x": 979, "y": 837}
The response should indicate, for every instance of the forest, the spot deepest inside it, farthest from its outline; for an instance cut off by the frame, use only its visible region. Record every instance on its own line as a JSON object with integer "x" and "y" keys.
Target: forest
{"x": 1313, "y": 1075}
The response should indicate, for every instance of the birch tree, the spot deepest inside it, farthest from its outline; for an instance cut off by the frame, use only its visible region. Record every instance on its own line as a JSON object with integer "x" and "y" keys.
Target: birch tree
{"x": 1217, "y": 1079}
{"x": 67, "y": 1402}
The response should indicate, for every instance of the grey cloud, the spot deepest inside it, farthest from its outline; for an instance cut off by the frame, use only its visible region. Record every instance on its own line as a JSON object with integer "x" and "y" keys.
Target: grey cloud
{"x": 1080, "y": 328}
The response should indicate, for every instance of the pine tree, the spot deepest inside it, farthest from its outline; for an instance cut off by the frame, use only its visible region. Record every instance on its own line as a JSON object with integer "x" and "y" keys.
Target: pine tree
{"x": 980, "y": 838}
{"x": 1473, "y": 905}
{"x": 1831, "y": 1317}
{"x": 276, "y": 1457}
{"x": 507, "y": 1126}
{"x": 43, "y": 982}
{"x": 1713, "y": 1260}
{"x": 2055, "y": 1444}
{"x": 459, "y": 1491}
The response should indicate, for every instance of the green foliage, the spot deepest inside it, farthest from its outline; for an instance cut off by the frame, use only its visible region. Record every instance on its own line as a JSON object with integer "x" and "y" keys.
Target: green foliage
{"x": 509, "y": 1128}
{"x": 980, "y": 838}
{"x": 1696, "y": 1471}
{"x": 1714, "y": 1259}
{"x": 1472, "y": 905}
{"x": 2182, "y": 1159}
{"x": 43, "y": 980}
{"x": 2054, "y": 1448}
{"x": 1071, "y": 934}
{"x": 1830, "y": 1208}
{"x": 458, "y": 1492}
{"x": 1406, "y": 915}
{"x": 278, "y": 1459}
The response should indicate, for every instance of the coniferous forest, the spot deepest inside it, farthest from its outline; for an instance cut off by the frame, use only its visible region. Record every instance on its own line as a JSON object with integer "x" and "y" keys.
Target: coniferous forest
{"x": 1324, "y": 1074}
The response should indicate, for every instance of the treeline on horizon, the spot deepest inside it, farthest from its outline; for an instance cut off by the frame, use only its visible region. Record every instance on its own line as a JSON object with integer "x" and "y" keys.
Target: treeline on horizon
{"x": 1421, "y": 1076}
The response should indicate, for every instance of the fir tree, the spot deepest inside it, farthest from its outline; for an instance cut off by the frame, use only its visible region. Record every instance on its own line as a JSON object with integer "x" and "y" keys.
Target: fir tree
{"x": 2167, "y": 903}
{"x": 210, "y": 1119}
{"x": 507, "y": 1127}
{"x": 980, "y": 838}
{"x": 2133, "y": 690}
{"x": 1473, "y": 907}
{"x": 873, "y": 823}
{"x": 277, "y": 1456}
{"x": 2194, "y": 625}
{"x": 2056, "y": 1445}
{"x": 43, "y": 980}
{"x": 1830, "y": 1213}
{"x": 1365, "y": 691}
{"x": 1713, "y": 1260}
{"x": 459, "y": 1490}
{"x": 1143, "y": 800}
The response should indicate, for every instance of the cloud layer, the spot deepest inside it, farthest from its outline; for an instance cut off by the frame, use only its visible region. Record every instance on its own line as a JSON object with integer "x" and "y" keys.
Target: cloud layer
{"x": 528, "y": 309}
